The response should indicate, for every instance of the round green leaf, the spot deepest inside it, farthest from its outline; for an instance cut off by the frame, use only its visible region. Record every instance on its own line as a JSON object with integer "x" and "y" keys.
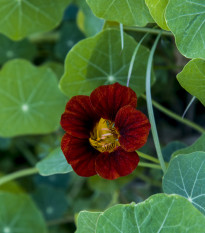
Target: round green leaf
{"x": 99, "y": 61}
{"x": 129, "y": 12}
{"x": 10, "y": 49}
{"x": 198, "y": 145}
{"x": 30, "y": 102}
{"x": 18, "y": 214}
{"x": 192, "y": 78}
{"x": 54, "y": 163}
{"x": 186, "y": 19}
{"x": 86, "y": 222}
{"x": 20, "y": 18}
{"x": 160, "y": 213}
{"x": 157, "y": 10}
{"x": 185, "y": 176}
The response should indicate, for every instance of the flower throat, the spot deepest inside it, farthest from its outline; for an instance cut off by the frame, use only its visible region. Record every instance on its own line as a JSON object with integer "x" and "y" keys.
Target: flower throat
{"x": 104, "y": 136}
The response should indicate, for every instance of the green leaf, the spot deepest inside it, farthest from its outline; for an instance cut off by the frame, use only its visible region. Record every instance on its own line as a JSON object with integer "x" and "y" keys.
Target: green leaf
{"x": 69, "y": 36}
{"x": 19, "y": 214}
{"x": 185, "y": 176}
{"x": 54, "y": 163}
{"x": 192, "y": 78}
{"x": 30, "y": 101}
{"x": 56, "y": 67}
{"x": 198, "y": 145}
{"x": 10, "y": 49}
{"x": 186, "y": 20}
{"x": 21, "y": 18}
{"x": 157, "y": 10}
{"x": 99, "y": 61}
{"x": 86, "y": 222}
{"x": 129, "y": 12}
{"x": 52, "y": 206}
{"x": 168, "y": 150}
{"x": 87, "y": 21}
{"x": 160, "y": 213}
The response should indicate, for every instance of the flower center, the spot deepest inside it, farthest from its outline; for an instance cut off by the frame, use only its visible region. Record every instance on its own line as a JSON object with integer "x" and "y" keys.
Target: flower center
{"x": 104, "y": 136}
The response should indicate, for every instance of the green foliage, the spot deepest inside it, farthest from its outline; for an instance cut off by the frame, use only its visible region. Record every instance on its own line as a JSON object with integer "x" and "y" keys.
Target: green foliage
{"x": 19, "y": 214}
{"x": 86, "y": 221}
{"x": 87, "y": 21}
{"x": 185, "y": 176}
{"x": 199, "y": 145}
{"x": 99, "y": 61}
{"x": 157, "y": 10}
{"x": 129, "y": 12}
{"x": 192, "y": 78}
{"x": 30, "y": 101}
{"x": 159, "y": 213}
{"x": 21, "y": 18}
{"x": 54, "y": 163}
{"x": 171, "y": 148}
{"x": 52, "y": 206}
{"x": 186, "y": 20}
{"x": 10, "y": 49}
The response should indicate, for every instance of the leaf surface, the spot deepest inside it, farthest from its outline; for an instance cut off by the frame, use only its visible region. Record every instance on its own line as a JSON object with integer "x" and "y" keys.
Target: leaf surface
{"x": 185, "y": 176}
{"x": 30, "y": 101}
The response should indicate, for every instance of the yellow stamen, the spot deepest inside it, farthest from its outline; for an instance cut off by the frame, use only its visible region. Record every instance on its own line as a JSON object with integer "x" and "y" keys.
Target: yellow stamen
{"x": 104, "y": 136}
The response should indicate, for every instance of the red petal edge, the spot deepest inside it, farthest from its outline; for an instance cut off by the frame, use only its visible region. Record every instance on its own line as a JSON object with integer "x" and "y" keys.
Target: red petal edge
{"x": 133, "y": 127}
{"x": 79, "y": 117}
{"x": 80, "y": 154}
{"x": 107, "y": 100}
{"x": 118, "y": 163}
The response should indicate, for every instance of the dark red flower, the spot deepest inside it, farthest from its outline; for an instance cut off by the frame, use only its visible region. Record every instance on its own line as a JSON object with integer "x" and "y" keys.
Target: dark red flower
{"x": 103, "y": 131}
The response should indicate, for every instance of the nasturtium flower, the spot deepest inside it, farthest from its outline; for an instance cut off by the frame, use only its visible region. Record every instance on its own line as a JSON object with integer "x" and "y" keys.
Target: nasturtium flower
{"x": 103, "y": 131}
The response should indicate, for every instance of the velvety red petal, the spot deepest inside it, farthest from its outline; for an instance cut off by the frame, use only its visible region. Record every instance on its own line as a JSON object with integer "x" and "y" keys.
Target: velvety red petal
{"x": 133, "y": 127}
{"x": 79, "y": 117}
{"x": 107, "y": 100}
{"x": 118, "y": 163}
{"x": 80, "y": 154}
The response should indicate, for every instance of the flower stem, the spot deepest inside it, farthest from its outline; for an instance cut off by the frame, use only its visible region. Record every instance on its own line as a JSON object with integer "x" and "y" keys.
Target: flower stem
{"x": 18, "y": 174}
{"x": 150, "y": 165}
{"x": 148, "y": 157}
{"x": 150, "y": 30}
{"x": 175, "y": 116}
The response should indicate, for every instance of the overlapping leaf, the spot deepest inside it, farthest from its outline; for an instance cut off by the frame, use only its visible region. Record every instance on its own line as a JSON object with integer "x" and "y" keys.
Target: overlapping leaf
{"x": 30, "y": 102}
{"x": 99, "y": 60}
{"x": 198, "y": 145}
{"x": 128, "y": 12}
{"x": 54, "y": 163}
{"x": 192, "y": 78}
{"x": 86, "y": 222}
{"x": 185, "y": 176}
{"x": 20, "y": 18}
{"x": 186, "y": 19}
{"x": 157, "y": 10}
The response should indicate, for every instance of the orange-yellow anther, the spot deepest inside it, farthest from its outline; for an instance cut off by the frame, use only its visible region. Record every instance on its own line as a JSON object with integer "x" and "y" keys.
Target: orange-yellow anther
{"x": 104, "y": 136}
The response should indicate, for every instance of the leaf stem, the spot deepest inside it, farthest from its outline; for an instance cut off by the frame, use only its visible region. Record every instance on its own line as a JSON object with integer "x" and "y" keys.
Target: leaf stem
{"x": 148, "y": 157}
{"x": 150, "y": 107}
{"x": 150, "y": 30}
{"x": 18, "y": 174}
{"x": 176, "y": 117}
{"x": 150, "y": 165}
